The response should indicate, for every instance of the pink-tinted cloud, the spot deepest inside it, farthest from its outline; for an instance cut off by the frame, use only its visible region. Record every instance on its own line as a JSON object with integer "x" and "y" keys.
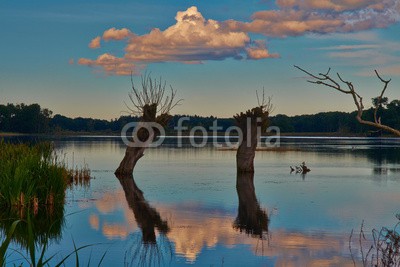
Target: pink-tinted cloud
{"x": 95, "y": 43}
{"x": 350, "y": 47}
{"x": 283, "y": 23}
{"x": 112, "y": 65}
{"x": 115, "y": 34}
{"x": 388, "y": 71}
{"x": 192, "y": 39}
{"x": 335, "y": 5}
{"x": 393, "y": 70}
{"x": 299, "y": 17}
{"x": 258, "y": 51}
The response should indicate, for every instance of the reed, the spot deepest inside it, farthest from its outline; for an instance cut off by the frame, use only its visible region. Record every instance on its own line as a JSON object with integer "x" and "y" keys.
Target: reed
{"x": 382, "y": 251}
{"x": 33, "y": 183}
{"x": 36, "y": 252}
{"x": 79, "y": 176}
{"x": 34, "y": 176}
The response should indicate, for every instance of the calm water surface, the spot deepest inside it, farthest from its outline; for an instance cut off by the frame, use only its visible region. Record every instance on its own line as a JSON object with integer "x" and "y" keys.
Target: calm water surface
{"x": 187, "y": 206}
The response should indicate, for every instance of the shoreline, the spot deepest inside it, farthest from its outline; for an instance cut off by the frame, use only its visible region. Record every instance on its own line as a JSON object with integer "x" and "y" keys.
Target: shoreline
{"x": 187, "y": 135}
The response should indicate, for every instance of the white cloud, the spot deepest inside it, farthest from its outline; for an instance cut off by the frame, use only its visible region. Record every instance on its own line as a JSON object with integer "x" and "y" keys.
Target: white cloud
{"x": 192, "y": 39}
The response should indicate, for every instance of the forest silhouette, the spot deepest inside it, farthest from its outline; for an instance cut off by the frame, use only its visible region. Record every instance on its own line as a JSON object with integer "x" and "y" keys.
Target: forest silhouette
{"x": 33, "y": 119}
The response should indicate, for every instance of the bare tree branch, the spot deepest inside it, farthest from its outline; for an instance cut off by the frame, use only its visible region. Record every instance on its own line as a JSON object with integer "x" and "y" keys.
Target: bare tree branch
{"x": 152, "y": 92}
{"x": 386, "y": 82}
{"x": 326, "y": 80}
{"x": 265, "y": 104}
{"x": 152, "y": 104}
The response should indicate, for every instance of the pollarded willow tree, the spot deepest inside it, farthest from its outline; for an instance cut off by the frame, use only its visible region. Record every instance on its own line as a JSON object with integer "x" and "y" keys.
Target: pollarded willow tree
{"x": 347, "y": 87}
{"x": 252, "y": 123}
{"x": 153, "y": 104}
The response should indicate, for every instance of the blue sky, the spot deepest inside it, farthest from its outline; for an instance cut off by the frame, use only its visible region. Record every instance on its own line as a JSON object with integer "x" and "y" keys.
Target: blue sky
{"x": 215, "y": 53}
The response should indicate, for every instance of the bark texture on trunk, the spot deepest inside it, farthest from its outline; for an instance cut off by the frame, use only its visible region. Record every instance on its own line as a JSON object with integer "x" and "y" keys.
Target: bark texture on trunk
{"x": 252, "y": 124}
{"x": 128, "y": 163}
{"x": 132, "y": 153}
{"x": 147, "y": 217}
{"x": 251, "y": 219}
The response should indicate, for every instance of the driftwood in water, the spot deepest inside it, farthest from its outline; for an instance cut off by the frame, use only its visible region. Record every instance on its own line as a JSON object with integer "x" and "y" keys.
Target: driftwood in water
{"x": 251, "y": 219}
{"x": 300, "y": 169}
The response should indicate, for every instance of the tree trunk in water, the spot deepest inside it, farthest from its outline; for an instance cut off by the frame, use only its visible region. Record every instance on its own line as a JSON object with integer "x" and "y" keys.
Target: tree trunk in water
{"x": 251, "y": 219}
{"x": 247, "y": 149}
{"x": 252, "y": 124}
{"x": 134, "y": 153}
{"x": 128, "y": 163}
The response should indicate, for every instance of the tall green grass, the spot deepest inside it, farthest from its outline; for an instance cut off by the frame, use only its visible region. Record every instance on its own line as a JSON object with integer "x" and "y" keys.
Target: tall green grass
{"x": 46, "y": 226}
{"x": 36, "y": 252}
{"x": 33, "y": 183}
{"x": 31, "y": 176}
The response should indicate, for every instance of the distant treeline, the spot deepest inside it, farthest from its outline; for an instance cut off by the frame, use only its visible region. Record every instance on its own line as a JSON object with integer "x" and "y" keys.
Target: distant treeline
{"x": 23, "y": 118}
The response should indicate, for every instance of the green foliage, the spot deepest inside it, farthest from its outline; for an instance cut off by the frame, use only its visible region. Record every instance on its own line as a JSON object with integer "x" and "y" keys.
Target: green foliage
{"x": 46, "y": 223}
{"x": 24, "y": 118}
{"x": 33, "y": 182}
{"x": 336, "y": 122}
{"x": 381, "y": 103}
{"x": 6, "y": 243}
{"x": 36, "y": 252}
{"x": 20, "y": 118}
{"x": 30, "y": 176}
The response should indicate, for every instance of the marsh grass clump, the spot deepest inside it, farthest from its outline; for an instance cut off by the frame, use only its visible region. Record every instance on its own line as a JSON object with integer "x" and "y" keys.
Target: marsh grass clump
{"x": 30, "y": 176}
{"x": 385, "y": 248}
{"x": 79, "y": 176}
{"x": 45, "y": 224}
{"x": 33, "y": 177}
{"x": 33, "y": 183}
{"x": 24, "y": 232}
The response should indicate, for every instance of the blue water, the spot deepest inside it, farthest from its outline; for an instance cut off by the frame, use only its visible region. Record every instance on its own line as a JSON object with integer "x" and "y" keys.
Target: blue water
{"x": 193, "y": 193}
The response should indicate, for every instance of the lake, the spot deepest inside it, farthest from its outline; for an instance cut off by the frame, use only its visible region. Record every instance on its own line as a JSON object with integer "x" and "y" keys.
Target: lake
{"x": 187, "y": 206}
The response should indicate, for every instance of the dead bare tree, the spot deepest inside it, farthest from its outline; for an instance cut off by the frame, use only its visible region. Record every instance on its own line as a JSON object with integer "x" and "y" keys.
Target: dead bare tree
{"x": 251, "y": 123}
{"x": 153, "y": 104}
{"x": 326, "y": 79}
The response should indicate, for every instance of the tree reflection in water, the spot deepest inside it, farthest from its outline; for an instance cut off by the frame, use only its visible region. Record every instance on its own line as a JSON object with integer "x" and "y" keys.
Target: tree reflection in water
{"x": 146, "y": 249}
{"x": 251, "y": 219}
